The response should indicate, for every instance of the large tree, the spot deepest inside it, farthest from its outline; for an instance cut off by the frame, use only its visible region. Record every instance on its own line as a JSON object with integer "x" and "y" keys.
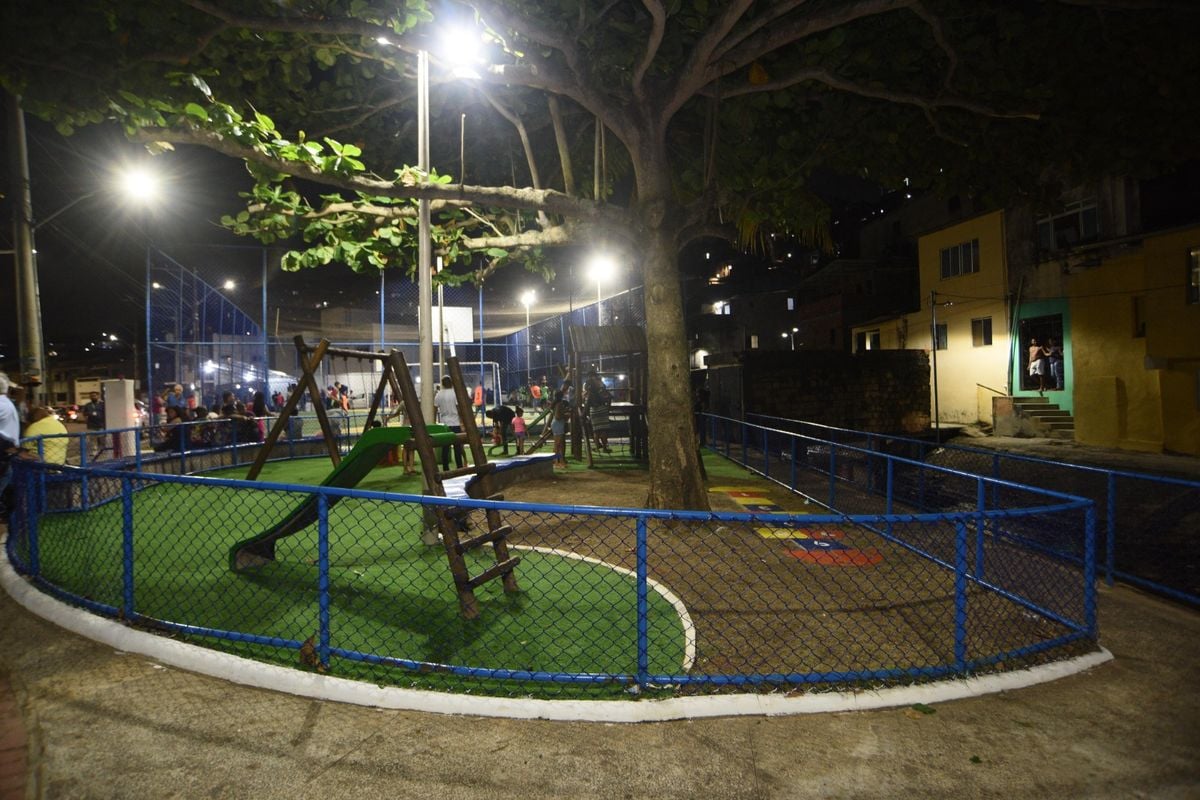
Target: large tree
{"x": 712, "y": 116}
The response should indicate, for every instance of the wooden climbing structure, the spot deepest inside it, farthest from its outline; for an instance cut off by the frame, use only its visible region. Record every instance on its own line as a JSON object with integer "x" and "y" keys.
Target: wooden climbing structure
{"x": 450, "y": 519}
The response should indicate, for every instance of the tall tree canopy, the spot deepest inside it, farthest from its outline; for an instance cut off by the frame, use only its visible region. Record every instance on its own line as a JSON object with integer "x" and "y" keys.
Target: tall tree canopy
{"x": 713, "y": 116}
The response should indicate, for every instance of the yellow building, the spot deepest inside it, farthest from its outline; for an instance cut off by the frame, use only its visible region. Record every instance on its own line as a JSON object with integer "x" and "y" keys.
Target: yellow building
{"x": 964, "y": 280}
{"x": 1135, "y": 327}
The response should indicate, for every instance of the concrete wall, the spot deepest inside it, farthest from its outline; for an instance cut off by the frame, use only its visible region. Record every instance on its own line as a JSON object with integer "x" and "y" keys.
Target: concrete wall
{"x": 880, "y": 391}
{"x": 1138, "y": 392}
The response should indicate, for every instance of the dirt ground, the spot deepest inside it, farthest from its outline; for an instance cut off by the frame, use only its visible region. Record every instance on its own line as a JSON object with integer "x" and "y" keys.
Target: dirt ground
{"x": 757, "y": 607}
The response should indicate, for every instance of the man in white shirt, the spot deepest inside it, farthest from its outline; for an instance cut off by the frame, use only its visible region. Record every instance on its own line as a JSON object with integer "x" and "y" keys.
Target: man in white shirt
{"x": 447, "y": 409}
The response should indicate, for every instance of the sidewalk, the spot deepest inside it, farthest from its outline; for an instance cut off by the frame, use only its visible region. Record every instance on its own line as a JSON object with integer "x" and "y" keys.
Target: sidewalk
{"x": 106, "y": 724}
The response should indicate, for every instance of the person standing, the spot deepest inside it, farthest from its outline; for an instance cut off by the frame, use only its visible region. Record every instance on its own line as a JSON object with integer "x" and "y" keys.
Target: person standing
{"x": 1055, "y": 353}
{"x": 447, "y": 409}
{"x": 93, "y": 414}
{"x": 10, "y": 443}
{"x": 1038, "y": 364}
{"x": 519, "y": 429}
{"x": 561, "y": 412}
{"x": 597, "y": 401}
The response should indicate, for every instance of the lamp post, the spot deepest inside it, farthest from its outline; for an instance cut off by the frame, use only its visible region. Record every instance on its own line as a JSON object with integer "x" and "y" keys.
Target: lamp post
{"x": 527, "y": 299}
{"x": 791, "y": 335}
{"x": 29, "y": 305}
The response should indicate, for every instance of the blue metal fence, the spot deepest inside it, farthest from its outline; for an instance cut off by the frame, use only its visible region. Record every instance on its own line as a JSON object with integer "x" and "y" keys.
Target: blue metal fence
{"x": 1147, "y": 522}
{"x": 960, "y": 573}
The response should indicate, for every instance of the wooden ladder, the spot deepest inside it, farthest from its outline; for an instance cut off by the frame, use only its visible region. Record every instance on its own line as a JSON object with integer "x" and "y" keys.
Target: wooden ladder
{"x": 450, "y": 518}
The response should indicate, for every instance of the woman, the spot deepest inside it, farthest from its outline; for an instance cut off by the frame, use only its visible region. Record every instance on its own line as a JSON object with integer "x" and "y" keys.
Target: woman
{"x": 260, "y": 412}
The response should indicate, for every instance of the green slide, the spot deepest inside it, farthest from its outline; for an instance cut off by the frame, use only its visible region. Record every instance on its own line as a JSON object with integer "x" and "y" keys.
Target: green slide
{"x": 365, "y": 456}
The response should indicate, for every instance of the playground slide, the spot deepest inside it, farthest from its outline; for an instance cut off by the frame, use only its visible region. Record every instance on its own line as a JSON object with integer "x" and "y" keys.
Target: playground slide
{"x": 363, "y": 458}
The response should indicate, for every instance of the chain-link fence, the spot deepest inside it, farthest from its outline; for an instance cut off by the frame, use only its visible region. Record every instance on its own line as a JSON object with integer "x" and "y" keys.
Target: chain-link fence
{"x": 999, "y": 575}
{"x": 1147, "y": 523}
{"x": 223, "y": 319}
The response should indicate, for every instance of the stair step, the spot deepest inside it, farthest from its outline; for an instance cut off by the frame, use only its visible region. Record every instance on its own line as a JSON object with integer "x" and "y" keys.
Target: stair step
{"x": 494, "y": 571}
{"x": 1061, "y": 425}
{"x": 487, "y": 536}
{"x": 1032, "y": 401}
{"x": 1047, "y": 413}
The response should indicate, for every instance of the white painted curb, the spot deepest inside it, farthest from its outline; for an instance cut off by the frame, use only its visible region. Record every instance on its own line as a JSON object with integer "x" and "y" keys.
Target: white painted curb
{"x": 322, "y": 687}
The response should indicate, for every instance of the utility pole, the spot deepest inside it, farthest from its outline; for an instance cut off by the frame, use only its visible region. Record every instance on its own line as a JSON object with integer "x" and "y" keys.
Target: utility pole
{"x": 29, "y": 306}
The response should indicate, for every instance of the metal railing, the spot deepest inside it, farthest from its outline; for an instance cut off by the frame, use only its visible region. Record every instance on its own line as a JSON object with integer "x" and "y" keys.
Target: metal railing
{"x": 613, "y": 599}
{"x": 1147, "y": 522}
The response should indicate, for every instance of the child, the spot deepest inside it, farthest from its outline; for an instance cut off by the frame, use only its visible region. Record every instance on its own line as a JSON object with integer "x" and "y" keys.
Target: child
{"x": 518, "y": 424}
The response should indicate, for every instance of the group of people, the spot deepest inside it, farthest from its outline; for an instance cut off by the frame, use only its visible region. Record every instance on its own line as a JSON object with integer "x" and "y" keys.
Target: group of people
{"x": 1046, "y": 361}
{"x": 186, "y": 428}
{"x": 17, "y": 415}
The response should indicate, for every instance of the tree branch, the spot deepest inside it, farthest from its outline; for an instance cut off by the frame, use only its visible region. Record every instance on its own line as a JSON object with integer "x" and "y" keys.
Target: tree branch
{"x": 546, "y": 200}
{"x": 691, "y": 80}
{"x": 800, "y": 27}
{"x": 556, "y": 235}
{"x": 770, "y": 15}
{"x": 939, "y": 36}
{"x": 658, "y": 16}
{"x": 928, "y": 104}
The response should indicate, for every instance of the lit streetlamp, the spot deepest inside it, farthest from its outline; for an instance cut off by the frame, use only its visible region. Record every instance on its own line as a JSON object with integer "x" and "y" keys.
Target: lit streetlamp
{"x": 791, "y": 335}
{"x": 527, "y": 299}
{"x": 424, "y": 236}
{"x": 601, "y": 268}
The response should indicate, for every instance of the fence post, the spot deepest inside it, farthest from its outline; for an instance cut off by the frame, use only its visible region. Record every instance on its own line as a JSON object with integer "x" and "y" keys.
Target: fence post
{"x": 137, "y": 450}
{"x": 127, "y": 538}
{"x": 643, "y": 606}
{"x": 766, "y": 453}
{"x": 1110, "y": 538}
{"x": 960, "y": 595}
{"x": 83, "y": 466}
{"x": 996, "y": 477}
{"x": 29, "y": 522}
{"x": 793, "y": 484}
{"x": 891, "y": 487}
{"x": 832, "y": 474}
{"x": 745, "y": 444}
{"x": 1089, "y": 569}
{"x": 234, "y": 438}
{"x": 728, "y": 437}
{"x": 323, "y": 579}
{"x": 980, "y": 524}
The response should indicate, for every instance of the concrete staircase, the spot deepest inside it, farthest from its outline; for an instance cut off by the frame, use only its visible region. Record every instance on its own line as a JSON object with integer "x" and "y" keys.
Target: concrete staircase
{"x": 1045, "y": 416}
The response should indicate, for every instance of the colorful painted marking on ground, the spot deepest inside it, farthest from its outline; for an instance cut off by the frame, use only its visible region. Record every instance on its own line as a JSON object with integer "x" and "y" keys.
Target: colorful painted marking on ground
{"x": 819, "y": 543}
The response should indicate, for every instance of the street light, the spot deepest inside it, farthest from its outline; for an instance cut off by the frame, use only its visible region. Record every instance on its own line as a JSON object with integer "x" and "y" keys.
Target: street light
{"x": 527, "y": 298}
{"x": 792, "y": 336}
{"x": 424, "y": 237}
{"x": 601, "y": 268}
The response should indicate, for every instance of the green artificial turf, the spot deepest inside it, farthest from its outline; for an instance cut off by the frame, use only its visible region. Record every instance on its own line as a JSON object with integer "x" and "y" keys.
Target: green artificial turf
{"x": 390, "y": 595}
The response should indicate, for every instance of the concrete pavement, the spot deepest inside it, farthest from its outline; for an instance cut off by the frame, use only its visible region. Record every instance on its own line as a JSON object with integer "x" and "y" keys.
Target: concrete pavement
{"x": 101, "y": 724}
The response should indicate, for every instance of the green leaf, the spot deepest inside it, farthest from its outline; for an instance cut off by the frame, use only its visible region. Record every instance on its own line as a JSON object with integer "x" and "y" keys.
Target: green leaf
{"x": 497, "y": 252}
{"x": 196, "y": 110}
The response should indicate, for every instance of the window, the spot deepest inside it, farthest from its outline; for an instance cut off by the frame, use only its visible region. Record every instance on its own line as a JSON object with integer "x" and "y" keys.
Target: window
{"x": 961, "y": 259}
{"x": 721, "y": 307}
{"x": 753, "y": 341}
{"x": 791, "y": 304}
{"x": 981, "y": 332}
{"x": 866, "y": 340}
{"x": 941, "y": 336}
{"x": 1193, "y": 281}
{"x": 1079, "y": 222}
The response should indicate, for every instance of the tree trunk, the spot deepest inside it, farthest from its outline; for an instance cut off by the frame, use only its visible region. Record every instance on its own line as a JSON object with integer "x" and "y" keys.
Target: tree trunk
{"x": 675, "y": 480}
